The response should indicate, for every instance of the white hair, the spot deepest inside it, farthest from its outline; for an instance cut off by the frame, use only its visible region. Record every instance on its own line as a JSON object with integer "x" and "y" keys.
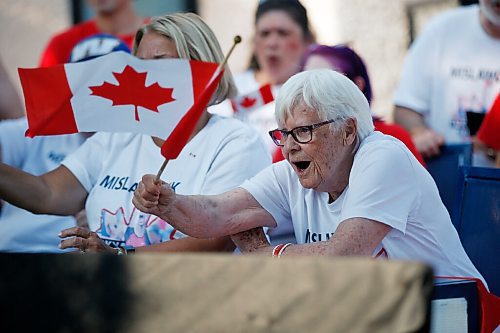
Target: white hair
{"x": 330, "y": 94}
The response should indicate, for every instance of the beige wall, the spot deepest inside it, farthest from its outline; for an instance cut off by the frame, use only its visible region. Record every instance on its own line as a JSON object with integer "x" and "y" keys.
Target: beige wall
{"x": 25, "y": 27}
{"x": 377, "y": 29}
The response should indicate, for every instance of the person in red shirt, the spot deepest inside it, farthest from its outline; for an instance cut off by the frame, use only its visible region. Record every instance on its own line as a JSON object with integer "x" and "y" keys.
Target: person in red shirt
{"x": 115, "y": 17}
{"x": 344, "y": 60}
{"x": 488, "y": 136}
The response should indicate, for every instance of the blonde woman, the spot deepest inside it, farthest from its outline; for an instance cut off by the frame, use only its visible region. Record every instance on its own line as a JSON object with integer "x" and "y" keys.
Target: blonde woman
{"x": 102, "y": 175}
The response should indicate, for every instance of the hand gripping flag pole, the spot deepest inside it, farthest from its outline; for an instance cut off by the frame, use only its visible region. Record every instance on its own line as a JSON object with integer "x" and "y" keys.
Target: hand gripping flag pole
{"x": 217, "y": 73}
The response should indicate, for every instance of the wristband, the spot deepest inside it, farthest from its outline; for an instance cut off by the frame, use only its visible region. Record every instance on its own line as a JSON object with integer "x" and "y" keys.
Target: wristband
{"x": 279, "y": 249}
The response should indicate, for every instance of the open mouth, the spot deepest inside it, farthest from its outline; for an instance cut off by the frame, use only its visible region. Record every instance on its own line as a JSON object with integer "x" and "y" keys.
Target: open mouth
{"x": 302, "y": 165}
{"x": 273, "y": 60}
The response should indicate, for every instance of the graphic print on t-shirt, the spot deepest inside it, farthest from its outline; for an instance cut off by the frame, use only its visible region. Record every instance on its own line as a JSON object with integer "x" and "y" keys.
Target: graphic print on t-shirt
{"x": 137, "y": 229}
{"x": 476, "y": 90}
{"x": 140, "y": 229}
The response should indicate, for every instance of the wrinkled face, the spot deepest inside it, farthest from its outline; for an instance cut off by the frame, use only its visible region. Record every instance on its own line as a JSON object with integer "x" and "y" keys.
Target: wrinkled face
{"x": 279, "y": 45}
{"x": 317, "y": 162}
{"x": 156, "y": 46}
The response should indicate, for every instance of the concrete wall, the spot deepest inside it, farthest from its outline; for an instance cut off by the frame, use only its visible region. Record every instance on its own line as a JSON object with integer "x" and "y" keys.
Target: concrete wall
{"x": 378, "y": 30}
{"x": 25, "y": 27}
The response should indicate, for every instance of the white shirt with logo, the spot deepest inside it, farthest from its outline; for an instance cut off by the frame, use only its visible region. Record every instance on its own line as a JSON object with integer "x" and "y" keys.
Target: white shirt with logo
{"x": 20, "y": 230}
{"x": 451, "y": 70}
{"x": 262, "y": 118}
{"x": 110, "y": 165}
{"x": 386, "y": 184}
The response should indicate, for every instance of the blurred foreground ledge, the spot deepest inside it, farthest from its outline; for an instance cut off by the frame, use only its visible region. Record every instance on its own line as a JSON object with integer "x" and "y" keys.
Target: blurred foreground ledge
{"x": 211, "y": 293}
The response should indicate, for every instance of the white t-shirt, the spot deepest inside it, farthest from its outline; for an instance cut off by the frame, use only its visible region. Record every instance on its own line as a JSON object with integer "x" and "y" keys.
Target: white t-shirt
{"x": 386, "y": 184}
{"x": 262, "y": 119}
{"x": 20, "y": 230}
{"x": 452, "y": 68}
{"x": 109, "y": 166}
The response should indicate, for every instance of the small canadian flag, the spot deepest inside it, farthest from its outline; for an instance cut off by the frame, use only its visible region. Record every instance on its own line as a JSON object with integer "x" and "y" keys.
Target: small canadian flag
{"x": 120, "y": 93}
{"x": 253, "y": 100}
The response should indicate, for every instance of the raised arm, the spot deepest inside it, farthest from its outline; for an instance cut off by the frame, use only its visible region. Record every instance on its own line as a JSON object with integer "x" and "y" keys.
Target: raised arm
{"x": 425, "y": 139}
{"x": 57, "y": 192}
{"x": 202, "y": 216}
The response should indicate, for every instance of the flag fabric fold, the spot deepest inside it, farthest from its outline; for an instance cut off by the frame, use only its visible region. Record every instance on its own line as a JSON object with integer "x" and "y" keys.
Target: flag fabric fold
{"x": 120, "y": 93}
{"x": 253, "y": 100}
{"x": 172, "y": 147}
{"x": 48, "y": 91}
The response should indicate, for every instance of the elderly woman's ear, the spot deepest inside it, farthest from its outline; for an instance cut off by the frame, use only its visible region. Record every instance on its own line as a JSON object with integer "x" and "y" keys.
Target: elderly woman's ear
{"x": 350, "y": 132}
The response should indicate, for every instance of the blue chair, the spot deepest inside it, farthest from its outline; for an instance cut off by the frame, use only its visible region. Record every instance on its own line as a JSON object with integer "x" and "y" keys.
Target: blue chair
{"x": 444, "y": 170}
{"x": 477, "y": 217}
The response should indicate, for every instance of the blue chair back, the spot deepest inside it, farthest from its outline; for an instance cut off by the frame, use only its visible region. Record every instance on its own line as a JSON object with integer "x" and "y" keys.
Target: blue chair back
{"x": 444, "y": 170}
{"x": 477, "y": 217}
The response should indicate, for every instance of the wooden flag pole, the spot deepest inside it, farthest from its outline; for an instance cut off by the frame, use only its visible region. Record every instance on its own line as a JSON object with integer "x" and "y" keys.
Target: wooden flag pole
{"x": 236, "y": 40}
{"x": 162, "y": 168}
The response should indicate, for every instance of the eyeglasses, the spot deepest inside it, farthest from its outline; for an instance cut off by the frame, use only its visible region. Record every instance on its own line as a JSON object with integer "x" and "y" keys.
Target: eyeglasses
{"x": 301, "y": 134}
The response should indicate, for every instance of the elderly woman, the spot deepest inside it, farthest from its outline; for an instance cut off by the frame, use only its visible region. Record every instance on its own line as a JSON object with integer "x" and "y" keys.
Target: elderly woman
{"x": 347, "y": 189}
{"x": 102, "y": 174}
{"x": 345, "y": 60}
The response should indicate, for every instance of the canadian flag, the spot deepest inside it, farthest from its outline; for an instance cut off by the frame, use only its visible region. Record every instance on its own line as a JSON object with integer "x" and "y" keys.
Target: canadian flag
{"x": 120, "y": 93}
{"x": 253, "y": 100}
{"x": 489, "y": 132}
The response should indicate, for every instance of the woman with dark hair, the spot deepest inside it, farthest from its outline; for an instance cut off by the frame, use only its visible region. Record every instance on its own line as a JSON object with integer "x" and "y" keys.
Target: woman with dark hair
{"x": 345, "y": 60}
{"x": 282, "y": 35}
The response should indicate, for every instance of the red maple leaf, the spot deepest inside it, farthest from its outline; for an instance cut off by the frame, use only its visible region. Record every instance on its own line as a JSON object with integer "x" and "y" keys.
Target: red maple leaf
{"x": 248, "y": 102}
{"x": 132, "y": 90}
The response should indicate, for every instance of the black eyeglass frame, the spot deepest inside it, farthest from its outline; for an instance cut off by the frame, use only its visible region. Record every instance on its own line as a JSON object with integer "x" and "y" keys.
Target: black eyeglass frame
{"x": 293, "y": 131}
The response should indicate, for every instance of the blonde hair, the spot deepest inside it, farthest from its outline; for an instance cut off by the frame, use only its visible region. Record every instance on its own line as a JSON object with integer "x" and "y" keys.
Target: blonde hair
{"x": 193, "y": 40}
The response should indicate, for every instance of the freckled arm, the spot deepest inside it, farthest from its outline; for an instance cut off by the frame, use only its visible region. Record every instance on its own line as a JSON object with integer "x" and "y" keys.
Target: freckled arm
{"x": 353, "y": 237}
{"x": 202, "y": 216}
